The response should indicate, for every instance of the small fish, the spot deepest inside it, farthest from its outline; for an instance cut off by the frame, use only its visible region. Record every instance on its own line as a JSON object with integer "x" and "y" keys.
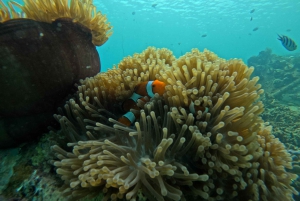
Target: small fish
{"x": 288, "y": 30}
{"x": 252, "y": 11}
{"x": 251, "y": 19}
{"x": 154, "y": 5}
{"x": 255, "y": 29}
{"x": 179, "y": 43}
{"x": 133, "y": 13}
{"x": 287, "y": 42}
{"x": 204, "y": 35}
{"x": 149, "y": 89}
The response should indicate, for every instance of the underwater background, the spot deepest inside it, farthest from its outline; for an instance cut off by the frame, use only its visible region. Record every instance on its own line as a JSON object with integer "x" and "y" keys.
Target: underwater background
{"x": 222, "y": 26}
{"x": 245, "y": 30}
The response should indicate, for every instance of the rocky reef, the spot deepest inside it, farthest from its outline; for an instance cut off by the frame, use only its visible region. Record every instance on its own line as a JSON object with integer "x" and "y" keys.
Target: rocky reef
{"x": 279, "y": 75}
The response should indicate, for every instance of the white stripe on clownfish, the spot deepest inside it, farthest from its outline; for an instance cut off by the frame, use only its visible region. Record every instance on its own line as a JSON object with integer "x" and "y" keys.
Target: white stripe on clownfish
{"x": 135, "y": 97}
{"x": 127, "y": 118}
{"x": 149, "y": 89}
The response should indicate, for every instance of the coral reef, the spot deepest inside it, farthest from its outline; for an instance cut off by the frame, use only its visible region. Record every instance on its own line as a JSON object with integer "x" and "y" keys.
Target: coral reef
{"x": 283, "y": 117}
{"x": 32, "y": 176}
{"x": 225, "y": 152}
{"x": 39, "y": 186}
{"x": 279, "y": 75}
{"x": 9, "y": 159}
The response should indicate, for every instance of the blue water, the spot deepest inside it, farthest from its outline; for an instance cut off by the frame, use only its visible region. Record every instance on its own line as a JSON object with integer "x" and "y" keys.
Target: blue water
{"x": 225, "y": 22}
{"x": 179, "y": 25}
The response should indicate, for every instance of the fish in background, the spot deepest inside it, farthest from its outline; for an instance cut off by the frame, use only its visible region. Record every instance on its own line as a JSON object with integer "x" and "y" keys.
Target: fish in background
{"x": 287, "y": 42}
{"x": 154, "y": 5}
{"x": 252, "y": 11}
{"x": 255, "y": 29}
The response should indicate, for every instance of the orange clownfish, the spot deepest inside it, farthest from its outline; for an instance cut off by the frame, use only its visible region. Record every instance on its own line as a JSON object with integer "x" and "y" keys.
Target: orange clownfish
{"x": 148, "y": 88}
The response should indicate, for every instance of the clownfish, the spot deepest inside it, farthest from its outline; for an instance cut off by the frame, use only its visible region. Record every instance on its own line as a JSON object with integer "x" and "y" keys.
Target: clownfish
{"x": 148, "y": 88}
{"x": 195, "y": 108}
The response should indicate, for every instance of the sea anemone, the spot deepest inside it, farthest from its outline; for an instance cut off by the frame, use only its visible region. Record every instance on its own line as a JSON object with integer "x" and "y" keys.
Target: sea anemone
{"x": 44, "y": 51}
{"x": 222, "y": 152}
{"x": 80, "y": 11}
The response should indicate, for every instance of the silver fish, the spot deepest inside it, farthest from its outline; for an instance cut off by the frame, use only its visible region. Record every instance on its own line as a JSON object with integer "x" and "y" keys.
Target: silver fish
{"x": 287, "y": 42}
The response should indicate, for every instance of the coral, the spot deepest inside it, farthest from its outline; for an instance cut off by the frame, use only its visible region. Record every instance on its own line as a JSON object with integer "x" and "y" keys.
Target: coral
{"x": 22, "y": 172}
{"x": 283, "y": 117}
{"x": 224, "y": 152}
{"x": 81, "y": 11}
{"x": 39, "y": 186}
{"x": 30, "y": 176}
{"x": 41, "y": 153}
{"x": 279, "y": 75}
{"x": 263, "y": 58}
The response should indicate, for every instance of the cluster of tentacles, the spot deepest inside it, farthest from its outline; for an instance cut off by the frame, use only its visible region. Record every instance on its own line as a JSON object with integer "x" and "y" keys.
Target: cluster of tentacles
{"x": 225, "y": 152}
